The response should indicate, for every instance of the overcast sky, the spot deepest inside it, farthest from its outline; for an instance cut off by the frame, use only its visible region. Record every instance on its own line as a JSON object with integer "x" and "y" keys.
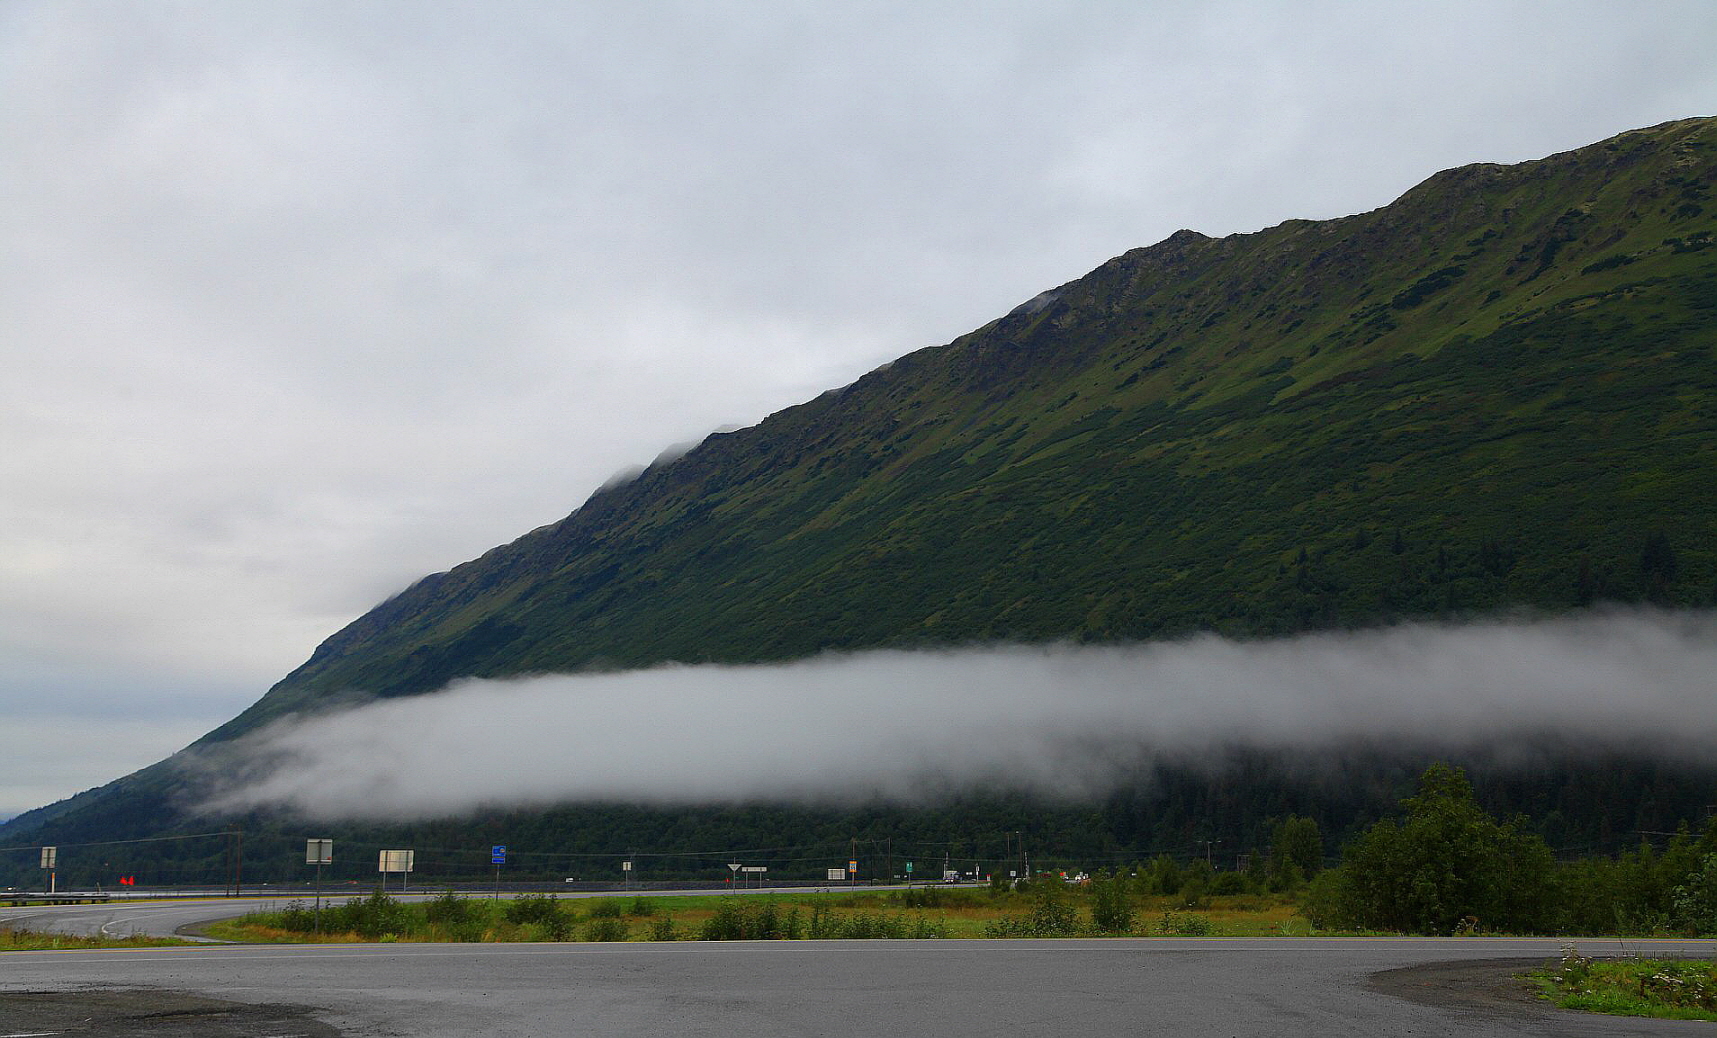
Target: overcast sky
{"x": 301, "y": 301}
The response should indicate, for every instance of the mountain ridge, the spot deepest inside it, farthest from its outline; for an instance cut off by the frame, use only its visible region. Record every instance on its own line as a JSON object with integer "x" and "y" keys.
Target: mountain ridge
{"x": 1174, "y": 299}
{"x": 1493, "y": 394}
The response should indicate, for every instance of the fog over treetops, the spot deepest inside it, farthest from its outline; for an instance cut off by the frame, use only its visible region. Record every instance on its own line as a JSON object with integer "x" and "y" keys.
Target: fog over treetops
{"x": 1055, "y": 720}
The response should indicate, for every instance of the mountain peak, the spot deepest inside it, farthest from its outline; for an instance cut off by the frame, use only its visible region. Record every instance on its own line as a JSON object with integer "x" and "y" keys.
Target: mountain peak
{"x": 1495, "y": 394}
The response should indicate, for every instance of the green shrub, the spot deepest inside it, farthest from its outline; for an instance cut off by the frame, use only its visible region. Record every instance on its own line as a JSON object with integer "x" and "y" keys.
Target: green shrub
{"x": 1162, "y": 877}
{"x": 459, "y": 919}
{"x": 753, "y": 922}
{"x": 726, "y": 924}
{"x": 868, "y": 927}
{"x": 606, "y": 928}
{"x": 937, "y": 897}
{"x": 1696, "y": 900}
{"x": 822, "y": 925}
{"x": 923, "y": 929}
{"x": 532, "y": 908}
{"x": 1111, "y": 904}
{"x": 1447, "y": 865}
{"x": 1195, "y": 888}
{"x": 1050, "y": 916}
{"x": 767, "y": 922}
{"x": 606, "y": 908}
{"x": 1296, "y": 852}
{"x": 557, "y": 926}
{"x": 374, "y": 917}
{"x": 1325, "y": 901}
{"x": 449, "y": 909}
{"x": 294, "y": 917}
{"x": 1633, "y": 987}
{"x": 1183, "y": 924}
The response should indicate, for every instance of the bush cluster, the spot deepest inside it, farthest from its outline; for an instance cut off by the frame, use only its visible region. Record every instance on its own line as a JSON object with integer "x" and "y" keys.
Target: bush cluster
{"x": 767, "y": 922}
{"x": 373, "y": 917}
{"x": 551, "y": 920}
{"x": 460, "y": 919}
{"x": 1051, "y": 915}
{"x": 1449, "y": 867}
{"x": 1183, "y": 924}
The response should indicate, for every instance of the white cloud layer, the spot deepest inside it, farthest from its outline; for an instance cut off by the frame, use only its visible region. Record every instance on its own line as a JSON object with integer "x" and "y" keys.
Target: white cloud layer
{"x": 300, "y": 301}
{"x": 1058, "y": 720}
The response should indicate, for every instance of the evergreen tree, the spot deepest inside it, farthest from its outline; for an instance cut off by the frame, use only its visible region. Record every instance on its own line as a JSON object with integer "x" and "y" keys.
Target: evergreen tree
{"x": 1447, "y": 866}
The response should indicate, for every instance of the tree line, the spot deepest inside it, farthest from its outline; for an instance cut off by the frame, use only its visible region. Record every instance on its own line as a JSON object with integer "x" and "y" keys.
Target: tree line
{"x": 1448, "y": 866}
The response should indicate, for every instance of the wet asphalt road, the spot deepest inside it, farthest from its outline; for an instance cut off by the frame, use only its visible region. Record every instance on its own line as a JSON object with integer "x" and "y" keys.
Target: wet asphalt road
{"x": 1194, "y": 988}
{"x": 948, "y": 989}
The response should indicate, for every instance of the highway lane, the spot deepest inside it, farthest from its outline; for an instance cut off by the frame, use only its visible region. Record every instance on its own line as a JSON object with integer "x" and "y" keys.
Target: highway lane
{"x": 156, "y": 918}
{"x": 1185, "y": 987}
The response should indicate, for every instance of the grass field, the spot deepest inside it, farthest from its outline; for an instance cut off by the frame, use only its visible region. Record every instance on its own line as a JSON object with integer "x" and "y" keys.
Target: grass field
{"x": 30, "y": 940}
{"x": 1664, "y": 989}
{"x": 923, "y": 913}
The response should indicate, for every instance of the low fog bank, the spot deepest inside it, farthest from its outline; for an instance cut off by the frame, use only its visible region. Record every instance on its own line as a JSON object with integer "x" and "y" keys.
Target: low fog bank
{"x": 1058, "y": 720}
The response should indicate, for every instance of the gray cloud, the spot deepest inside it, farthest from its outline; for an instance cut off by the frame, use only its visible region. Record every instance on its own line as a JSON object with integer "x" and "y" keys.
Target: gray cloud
{"x": 301, "y": 301}
{"x": 1058, "y": 720}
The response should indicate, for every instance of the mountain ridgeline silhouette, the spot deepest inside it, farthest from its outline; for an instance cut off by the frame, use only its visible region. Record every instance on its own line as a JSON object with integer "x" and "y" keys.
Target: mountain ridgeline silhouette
{"x": 1495, "y": 392}
{"x": 1496, "y": 395}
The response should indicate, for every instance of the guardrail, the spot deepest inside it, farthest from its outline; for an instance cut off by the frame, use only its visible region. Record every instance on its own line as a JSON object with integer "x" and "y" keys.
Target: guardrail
{"x": 16, "y": 899}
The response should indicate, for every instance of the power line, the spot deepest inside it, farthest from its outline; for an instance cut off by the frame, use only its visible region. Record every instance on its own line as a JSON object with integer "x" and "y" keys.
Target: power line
{"x": 118, "y": 843}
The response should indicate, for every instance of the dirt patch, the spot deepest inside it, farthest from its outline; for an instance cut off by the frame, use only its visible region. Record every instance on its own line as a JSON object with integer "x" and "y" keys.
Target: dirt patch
{"x": 1491, "y": 985}
{"x": 151, "y": 1013}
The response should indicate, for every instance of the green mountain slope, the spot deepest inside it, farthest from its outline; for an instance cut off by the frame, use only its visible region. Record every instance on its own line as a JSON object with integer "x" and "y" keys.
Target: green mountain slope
{"x": 1497, "y": 391}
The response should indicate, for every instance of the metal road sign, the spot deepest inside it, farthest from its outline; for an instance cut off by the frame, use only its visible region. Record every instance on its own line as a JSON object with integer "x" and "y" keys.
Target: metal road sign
{"x": 498, "y": 854}
{"x": 318, "y": 852}
{"x": 50, "y": 855}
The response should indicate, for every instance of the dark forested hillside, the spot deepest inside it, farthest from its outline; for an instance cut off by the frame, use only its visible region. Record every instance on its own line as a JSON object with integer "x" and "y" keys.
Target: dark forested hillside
{"x": 1500, "y": 391}
{"x": 1497, "y": 391}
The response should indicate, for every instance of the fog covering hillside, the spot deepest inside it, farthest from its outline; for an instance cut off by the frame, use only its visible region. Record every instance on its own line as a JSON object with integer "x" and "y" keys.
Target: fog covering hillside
{"x": 1495, "y": 397}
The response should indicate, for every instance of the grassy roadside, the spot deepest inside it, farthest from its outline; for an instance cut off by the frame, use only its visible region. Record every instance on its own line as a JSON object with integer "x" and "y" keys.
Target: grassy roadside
{"x": 1664, "y": 989}
{"x": 30, "y": 940}
{"x": 921, "y": 913}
